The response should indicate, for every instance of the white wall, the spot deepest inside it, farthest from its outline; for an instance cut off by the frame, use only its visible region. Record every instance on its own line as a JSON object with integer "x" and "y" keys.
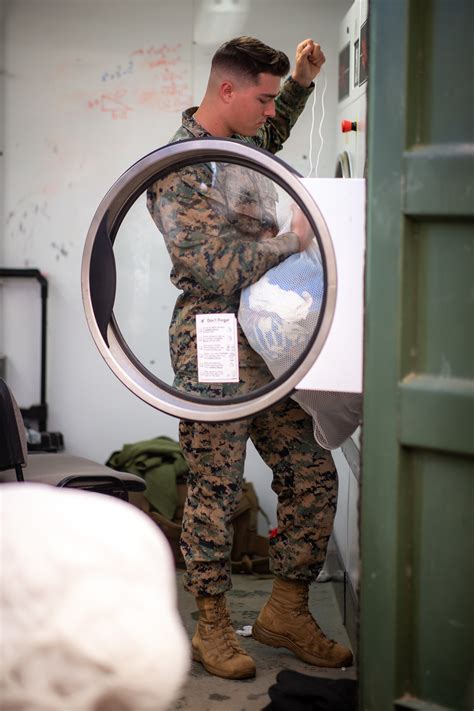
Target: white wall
{"x": 91, "y": 86}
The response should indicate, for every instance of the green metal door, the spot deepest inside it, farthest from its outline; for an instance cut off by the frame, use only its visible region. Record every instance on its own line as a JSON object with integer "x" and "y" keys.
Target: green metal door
{"x": 417, "y": 593}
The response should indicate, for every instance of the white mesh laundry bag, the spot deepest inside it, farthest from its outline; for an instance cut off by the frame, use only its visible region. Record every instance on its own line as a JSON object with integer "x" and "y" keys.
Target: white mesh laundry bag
{"x": 278, "y": 315}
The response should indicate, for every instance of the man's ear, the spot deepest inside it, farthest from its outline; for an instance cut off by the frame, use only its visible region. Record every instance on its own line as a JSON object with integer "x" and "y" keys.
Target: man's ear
{"x": 227, "y": 91}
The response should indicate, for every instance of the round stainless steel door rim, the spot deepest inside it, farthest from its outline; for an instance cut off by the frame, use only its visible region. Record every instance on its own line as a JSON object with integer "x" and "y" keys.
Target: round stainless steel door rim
{"x": 343, "y": 165}
{"x": 98, "y": 278}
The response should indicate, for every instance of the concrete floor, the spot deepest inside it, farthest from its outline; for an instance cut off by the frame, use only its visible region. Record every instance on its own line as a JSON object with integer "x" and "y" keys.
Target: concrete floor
{"x": 204, "y": 692}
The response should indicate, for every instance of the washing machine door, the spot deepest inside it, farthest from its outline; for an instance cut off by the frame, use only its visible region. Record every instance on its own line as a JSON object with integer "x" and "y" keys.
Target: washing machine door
{"x": 343, "y": 166}
{"x": 127, "y": 293}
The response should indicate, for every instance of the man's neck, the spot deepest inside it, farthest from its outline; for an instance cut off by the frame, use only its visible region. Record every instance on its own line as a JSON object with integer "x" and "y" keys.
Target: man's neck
{"x": 212, "y": 123}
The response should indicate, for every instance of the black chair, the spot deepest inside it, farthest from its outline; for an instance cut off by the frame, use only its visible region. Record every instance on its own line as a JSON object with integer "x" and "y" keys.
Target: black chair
{"x": 55, "y": 469}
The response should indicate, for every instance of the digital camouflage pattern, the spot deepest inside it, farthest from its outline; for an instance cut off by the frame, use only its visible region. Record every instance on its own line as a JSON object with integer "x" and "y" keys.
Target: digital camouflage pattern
{"x": 304, "y": 479}
{"x": 219, "y": 224}
{"x": 220, "y": 228}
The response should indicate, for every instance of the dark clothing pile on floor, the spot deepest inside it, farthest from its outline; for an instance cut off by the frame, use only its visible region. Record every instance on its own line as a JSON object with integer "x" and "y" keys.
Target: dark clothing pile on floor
{"x": 300, "y": 692}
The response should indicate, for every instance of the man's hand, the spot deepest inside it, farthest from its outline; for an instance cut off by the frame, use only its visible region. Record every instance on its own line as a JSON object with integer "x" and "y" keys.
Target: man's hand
{"x": 309, "y": 60}
{"x": 301, "y": 227}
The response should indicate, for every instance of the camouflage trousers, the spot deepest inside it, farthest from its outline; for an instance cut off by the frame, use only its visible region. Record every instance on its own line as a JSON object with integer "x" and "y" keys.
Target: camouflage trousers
{"x": 304, "y": 479}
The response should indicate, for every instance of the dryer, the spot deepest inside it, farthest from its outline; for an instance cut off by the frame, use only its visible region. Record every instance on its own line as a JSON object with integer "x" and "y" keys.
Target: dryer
{"x": 352, "y": 93}
{"x": 340, "y": 236}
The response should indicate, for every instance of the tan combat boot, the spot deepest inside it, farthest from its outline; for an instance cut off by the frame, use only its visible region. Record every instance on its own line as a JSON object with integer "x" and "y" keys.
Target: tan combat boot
{"x": 285, "y": 621}
{"x": 215, "y": 643}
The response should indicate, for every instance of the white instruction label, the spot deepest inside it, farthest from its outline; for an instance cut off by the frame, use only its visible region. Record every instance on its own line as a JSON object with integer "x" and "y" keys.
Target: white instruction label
{"x": 217, "y": 349}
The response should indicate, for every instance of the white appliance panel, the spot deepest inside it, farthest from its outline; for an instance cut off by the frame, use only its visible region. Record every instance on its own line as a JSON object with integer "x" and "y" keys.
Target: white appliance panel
{"x": 339, "y": 365}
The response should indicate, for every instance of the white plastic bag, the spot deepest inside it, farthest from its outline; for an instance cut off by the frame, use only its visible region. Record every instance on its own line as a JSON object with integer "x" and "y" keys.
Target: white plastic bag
{"x": 278, "y": 315}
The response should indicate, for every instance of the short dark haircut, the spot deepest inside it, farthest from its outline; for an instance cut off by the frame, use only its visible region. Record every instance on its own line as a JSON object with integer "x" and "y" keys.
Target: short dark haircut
{"x": 249, "y": 57}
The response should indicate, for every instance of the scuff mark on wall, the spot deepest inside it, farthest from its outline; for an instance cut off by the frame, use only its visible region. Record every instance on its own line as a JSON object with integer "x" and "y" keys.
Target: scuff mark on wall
{"x": 60, "y": 249}
{"x": 23, "y": 220}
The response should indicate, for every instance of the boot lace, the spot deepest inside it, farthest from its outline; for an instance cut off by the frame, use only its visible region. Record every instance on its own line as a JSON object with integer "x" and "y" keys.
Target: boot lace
{"x": 227, "y": 644}
{"x": 306, "y": 619}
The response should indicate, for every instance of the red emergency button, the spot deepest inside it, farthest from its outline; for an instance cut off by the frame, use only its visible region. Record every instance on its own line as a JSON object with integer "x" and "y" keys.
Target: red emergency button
{"x": 347, "y": 126}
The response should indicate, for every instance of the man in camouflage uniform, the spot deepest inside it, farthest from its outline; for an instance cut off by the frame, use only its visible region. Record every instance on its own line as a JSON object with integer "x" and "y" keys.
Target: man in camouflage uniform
{"x": 220, "y": 227}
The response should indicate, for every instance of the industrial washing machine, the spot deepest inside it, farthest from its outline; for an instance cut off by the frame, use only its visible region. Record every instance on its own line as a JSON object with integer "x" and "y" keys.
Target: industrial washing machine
{"x": 352, "y": 93}
{"x": 332, "y": 360}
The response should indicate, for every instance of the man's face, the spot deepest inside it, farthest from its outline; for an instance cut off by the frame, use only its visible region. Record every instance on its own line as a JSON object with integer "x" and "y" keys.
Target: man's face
{"x": 253, "y": 104}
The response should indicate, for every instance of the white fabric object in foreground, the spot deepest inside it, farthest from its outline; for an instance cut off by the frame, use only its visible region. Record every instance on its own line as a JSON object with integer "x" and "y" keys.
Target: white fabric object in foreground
{"x": 279, "y": 314}
{"x": 88, "y": 605}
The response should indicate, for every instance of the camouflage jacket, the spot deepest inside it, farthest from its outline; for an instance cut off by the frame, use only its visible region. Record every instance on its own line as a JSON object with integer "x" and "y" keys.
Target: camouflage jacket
{"x": 219, "y": 224}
